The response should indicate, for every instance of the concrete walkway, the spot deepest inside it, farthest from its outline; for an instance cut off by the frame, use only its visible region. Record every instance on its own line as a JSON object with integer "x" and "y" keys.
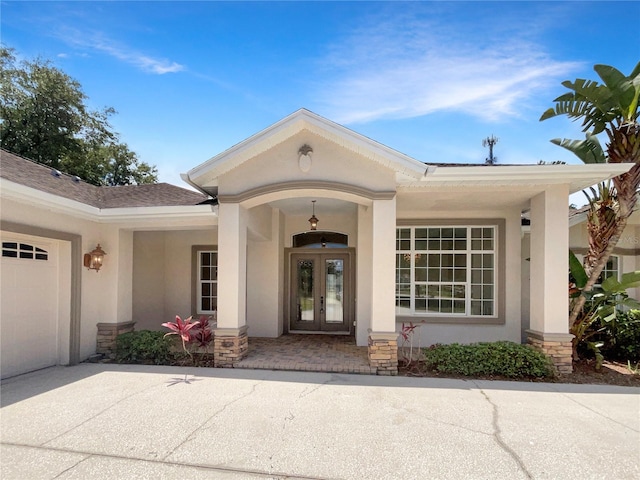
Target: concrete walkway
{"x": 95, "y": 421}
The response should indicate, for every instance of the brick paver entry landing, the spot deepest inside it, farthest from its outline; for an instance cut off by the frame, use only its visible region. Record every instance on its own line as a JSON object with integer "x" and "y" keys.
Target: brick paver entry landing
{"x": 314, "y": 353}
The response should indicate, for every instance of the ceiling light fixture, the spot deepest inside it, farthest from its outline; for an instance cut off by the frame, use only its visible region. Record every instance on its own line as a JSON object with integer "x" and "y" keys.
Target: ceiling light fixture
{"x": 313, "y": 221}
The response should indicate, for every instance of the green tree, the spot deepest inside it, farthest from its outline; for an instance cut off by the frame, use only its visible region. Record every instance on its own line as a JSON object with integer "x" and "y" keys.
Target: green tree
{"x": 610, "y": 107}
{"x": 44, "y": 117}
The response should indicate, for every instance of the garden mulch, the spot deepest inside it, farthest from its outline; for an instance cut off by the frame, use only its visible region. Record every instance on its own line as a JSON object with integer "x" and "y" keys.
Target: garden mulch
{"x": 584, "y": 372}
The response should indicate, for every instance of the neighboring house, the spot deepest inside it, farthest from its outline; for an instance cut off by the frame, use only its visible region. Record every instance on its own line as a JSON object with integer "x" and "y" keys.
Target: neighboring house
{"x": 397, "y": 240}
{"x": 626, "y": 254}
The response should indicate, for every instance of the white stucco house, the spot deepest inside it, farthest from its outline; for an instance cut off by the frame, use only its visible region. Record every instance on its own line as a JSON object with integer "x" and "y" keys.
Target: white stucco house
{"x": 397, "y": 240}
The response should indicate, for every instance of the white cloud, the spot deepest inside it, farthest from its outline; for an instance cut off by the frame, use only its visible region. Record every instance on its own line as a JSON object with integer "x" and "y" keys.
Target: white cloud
{"x": 403, "y": 69}
{"x": 97, "y": 42}
{"x": 146, "y": 63}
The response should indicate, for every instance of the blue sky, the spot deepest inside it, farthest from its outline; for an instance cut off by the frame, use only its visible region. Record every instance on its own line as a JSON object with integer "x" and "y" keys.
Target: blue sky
{"x": 429, "y": 79}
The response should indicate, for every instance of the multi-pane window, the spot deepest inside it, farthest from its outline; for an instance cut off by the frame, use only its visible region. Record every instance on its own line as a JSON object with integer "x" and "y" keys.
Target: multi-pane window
{"x": 611, "y": 269}
{"x": 207, "y": 281}
{"x": 23, "y": 250}
{"x": 446, "y": 270}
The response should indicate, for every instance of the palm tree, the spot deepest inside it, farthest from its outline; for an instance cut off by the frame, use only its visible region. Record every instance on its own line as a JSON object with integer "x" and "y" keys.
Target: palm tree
{"x": 610, "y": 107}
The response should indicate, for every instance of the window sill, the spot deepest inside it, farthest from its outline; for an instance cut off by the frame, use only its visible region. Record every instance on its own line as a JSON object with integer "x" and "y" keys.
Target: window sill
{"x": 450, "y": 320}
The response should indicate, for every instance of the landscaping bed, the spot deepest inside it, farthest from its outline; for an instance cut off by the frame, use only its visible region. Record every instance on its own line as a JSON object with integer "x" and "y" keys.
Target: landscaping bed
{"x": 584, "y": 372}
{"x": 511, "y": 361}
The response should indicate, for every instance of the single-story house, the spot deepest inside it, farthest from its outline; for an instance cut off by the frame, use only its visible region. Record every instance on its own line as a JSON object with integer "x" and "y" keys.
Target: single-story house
{"x": 626, "y": 254}
{"x": 391, "y": 240}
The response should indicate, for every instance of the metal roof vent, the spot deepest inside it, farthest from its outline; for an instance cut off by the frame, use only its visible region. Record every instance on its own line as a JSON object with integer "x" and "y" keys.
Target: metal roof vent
{"x": 56, "y": 173}
{"x": 76, "y": 179}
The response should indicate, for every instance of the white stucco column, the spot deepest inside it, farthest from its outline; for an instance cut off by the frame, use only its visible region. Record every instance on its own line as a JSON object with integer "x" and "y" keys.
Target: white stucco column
{"x": 549, "y": 307}
{"x": 232, "y": 266}
{"x": 383, "y": 339}
{"x": 125, "y": 276}
{"x": 383, "y": 310}
{"x": 230, "y": 341}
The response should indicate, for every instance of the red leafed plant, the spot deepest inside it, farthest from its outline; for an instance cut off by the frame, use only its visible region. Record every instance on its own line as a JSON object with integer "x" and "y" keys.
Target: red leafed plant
{"x": 201, "y": 335}
{"x": 407, "y": 330}
{"x": 181, "y": 327}
{"x": 406, "y": 334}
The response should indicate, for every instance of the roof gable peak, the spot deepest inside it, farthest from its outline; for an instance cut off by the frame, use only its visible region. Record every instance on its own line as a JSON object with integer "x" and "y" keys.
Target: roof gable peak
{"x": 301, "y": 120}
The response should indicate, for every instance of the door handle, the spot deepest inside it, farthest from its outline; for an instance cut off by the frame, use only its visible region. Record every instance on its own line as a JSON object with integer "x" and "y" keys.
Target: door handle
{"x": 321, "y": 304}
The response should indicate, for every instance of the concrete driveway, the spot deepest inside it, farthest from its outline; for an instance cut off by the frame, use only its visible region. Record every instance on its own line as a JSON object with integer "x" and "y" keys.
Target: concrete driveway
{"x": 125, "y": 421}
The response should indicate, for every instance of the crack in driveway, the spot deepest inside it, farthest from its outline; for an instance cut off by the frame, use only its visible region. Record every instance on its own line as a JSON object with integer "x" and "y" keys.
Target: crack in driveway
{"x": 92, "y": 417}
{"x": 211, "y": 417}
{"x": 497, "y": 434}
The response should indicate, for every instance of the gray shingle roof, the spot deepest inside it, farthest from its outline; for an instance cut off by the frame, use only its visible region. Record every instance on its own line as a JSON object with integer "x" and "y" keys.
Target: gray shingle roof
{"x": 28, "y": 173}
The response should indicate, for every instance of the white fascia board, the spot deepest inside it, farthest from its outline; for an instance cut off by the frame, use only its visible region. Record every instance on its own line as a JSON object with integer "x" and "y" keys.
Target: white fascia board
{"x": 32, "y": 196}
{"x": 209, "y": 192}
{"x": 215, "y": 166}
{"x": 206, "y": 174}
{"x": 578, "y": 218}
{"x": 37, "y": 198}
{"x": 577, "y": 176}
{"x": 380, "y": 153}
{"x": 185, "y": 212}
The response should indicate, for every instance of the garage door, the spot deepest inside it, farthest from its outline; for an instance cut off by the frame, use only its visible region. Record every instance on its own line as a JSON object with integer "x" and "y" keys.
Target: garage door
{"x": 29, "y": 309}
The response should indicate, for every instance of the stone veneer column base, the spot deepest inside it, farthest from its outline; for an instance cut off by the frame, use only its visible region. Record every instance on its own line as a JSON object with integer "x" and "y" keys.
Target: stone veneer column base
{"x": 383, "y": 353}
{"x": 107, "y": 333}
{"x": 230, "y": 345}
{"x": 556, "y": 346}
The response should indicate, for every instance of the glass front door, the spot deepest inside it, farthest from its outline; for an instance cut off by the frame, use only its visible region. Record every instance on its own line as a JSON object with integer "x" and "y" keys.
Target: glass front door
{"x": 320, "y": 292}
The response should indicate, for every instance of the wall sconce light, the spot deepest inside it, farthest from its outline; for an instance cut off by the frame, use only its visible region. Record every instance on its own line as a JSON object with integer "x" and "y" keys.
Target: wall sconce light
{"x": 93, "y": 260}
{"x": 313, "y": 221}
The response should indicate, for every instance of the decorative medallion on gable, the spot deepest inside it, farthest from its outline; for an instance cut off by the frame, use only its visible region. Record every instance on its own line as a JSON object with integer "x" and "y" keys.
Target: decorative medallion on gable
{"x": 304, "y": 158}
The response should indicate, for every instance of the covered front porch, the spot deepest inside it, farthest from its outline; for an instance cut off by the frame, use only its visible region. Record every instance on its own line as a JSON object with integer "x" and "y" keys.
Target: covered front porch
{"x": 312, "y": 353}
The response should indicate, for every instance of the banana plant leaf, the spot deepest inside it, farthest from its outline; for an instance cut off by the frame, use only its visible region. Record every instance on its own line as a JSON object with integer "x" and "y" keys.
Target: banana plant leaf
{"x": 577, "y": 270}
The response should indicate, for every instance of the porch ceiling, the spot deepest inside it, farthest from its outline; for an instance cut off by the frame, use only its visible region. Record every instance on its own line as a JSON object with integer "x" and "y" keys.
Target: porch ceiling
{"x": 441, "y": 199}
{"x": 324, "y": 206}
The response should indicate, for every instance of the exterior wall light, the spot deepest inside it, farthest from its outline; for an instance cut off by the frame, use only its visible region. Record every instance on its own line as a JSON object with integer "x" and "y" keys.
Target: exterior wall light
{"x": 313, "y": 221}
{"x": 94, "y": 259}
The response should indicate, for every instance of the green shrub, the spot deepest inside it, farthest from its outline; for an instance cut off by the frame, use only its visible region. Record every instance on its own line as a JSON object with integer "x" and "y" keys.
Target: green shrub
{"x": 144, "y": 346}
{"x": 505, "y": 359}
{"x": 620, "y": 336}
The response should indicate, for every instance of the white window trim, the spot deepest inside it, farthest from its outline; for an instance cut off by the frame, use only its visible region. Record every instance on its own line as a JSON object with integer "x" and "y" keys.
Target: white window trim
{"x": 200, "y": 282}
{"x": 499, "y": 317}
{"x": 468, "y": 252}
{"x": 619, "y": 271}
{"x": 196, "y": 278}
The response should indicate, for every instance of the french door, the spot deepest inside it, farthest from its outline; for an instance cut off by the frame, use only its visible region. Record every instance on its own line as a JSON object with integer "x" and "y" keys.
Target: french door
{"x": 321, "y": 292}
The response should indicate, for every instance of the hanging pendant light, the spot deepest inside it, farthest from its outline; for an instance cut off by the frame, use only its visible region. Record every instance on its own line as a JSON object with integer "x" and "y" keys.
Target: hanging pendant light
{"x": 313, "y": 221}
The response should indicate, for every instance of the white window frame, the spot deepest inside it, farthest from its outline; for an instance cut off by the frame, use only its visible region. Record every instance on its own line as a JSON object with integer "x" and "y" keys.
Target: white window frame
{"x": 200, "y": 282}
{"x": 607, "y": 272}
{"x": 467, "y": 283}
